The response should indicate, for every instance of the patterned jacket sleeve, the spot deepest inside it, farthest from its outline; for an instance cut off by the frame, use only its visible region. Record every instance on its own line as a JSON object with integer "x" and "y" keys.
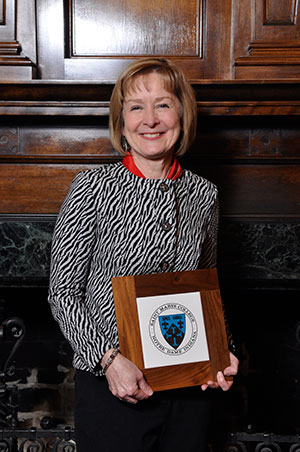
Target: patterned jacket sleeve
{"x": 72, "y": 246}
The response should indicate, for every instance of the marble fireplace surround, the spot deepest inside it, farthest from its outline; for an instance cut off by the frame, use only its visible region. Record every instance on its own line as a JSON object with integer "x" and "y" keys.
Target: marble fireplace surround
{"x": 248, "y": 251}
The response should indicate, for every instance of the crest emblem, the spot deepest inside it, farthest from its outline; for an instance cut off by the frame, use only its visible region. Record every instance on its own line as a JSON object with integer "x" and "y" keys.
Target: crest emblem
{"x": 173, "y": 328}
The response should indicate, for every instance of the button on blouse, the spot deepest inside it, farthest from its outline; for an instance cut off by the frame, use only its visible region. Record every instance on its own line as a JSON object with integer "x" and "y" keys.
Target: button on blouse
{"x": 165, "y": 225}
{"x": 164, "y": 187}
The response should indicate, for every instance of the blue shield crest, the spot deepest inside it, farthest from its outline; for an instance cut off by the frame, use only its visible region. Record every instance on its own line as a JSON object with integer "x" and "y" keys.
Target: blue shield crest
{"x": 173, "y": 328}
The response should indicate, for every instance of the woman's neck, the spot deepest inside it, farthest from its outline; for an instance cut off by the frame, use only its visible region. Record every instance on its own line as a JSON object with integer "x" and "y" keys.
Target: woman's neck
{"x": 153, "y": 169}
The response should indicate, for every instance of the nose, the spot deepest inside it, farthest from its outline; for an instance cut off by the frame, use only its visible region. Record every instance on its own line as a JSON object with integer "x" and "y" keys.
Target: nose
{"x": 150, "y": 117}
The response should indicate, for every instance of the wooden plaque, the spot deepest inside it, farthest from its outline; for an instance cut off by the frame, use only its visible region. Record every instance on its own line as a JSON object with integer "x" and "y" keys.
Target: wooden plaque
{"x": 131, "y": 291}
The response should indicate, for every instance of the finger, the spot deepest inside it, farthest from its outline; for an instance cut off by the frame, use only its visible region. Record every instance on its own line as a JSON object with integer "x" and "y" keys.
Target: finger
{"x": 135, "y": 394}
{"x": 131, "y": 400}
{"x": 140, "y": 395}
{"x": 128, "y": 400}
{"x": 230, "y": 372}
{"x": 125, "y": 394}
{"x": 222, "y": 382}
{"x": 210, "y": 384}
{"x": 143, "y": 385}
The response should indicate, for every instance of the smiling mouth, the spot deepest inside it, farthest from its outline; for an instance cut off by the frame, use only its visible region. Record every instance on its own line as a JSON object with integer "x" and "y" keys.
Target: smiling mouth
{"x": 152, "y": 135}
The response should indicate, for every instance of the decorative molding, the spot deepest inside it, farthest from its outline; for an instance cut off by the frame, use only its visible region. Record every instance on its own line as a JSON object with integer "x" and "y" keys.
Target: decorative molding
{"x": 281, "y": 49}
{"x": 9, "y": 142}
{"x": 280, "y": 12}
{"x": 18, "y": 60}
{"x": 266, "y": 53}
{"x": 10, "y": 55}
{"x": 83, "y": 99}
{"x": 27, "y": 218}
{"x": 13, "y": 65}
{"x": 264, "y": 142}
{"x": 10, "y": 48}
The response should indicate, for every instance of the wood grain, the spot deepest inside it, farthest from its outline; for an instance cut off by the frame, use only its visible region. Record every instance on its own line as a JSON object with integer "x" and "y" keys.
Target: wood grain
{"x": 50, "y": 38}
{"x": 283, "y": 12}
{"x": 35, "y": 188}
{"x": 258, "y": 190}
{"x": 209, "y": 40}
{"x": 65, "y": 141}
{"x": 143, "y": 28}
{"x": 127, "y": 316}
{"x": 179, "y": 282}
{"x": 215, "y": 330}
{"x": 266, "y": 39}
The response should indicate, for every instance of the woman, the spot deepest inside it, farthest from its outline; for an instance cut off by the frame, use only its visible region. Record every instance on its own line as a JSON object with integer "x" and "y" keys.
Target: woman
{"x": 142, "y": 215}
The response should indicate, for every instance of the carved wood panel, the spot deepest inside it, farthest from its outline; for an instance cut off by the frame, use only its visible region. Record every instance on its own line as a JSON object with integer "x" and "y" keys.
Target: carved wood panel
{"x": 9, "y": 140}
{"x": 102, "y": 37}
{"x": 267, "y": 39}
{"x": 7, "y": 23}
{"x": 280, "y": 12}
{"x": 276, "y": 19}
{"x": 13, "y": 65}
{"x": 104, "y": 33}
{"x": 65, "y": 142}
{"x": 95, "y": 39}
{"x": 264, "y": 142}
{"x": 134, "y": 27}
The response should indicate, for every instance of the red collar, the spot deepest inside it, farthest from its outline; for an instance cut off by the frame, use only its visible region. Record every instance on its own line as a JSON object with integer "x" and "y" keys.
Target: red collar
{"x": 173, "y": 173}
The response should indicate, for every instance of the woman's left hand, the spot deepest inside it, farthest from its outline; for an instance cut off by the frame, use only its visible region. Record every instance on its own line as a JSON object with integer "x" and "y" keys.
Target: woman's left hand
{"x": 221, "y": 382}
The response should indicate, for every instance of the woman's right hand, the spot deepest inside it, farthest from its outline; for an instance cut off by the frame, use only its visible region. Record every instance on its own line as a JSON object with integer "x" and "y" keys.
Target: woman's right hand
{"x": 126, "y": 381}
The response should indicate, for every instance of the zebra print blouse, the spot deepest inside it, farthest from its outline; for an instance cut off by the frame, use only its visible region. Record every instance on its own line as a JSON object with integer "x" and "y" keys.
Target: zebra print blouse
{"x": 113, "y": 223}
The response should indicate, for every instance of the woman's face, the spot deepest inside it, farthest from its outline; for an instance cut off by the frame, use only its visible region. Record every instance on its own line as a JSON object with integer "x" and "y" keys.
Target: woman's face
{"x": 151, "y": 118}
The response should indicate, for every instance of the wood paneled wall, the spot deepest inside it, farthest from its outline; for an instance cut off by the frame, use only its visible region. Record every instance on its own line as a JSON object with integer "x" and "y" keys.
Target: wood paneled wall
{"x": 253, "y": 157}
{"x": 17, "y": 20}
{"x": 266, "y": 39}
{"x": 242, "y": 58}
{"x": 95, "y": 39}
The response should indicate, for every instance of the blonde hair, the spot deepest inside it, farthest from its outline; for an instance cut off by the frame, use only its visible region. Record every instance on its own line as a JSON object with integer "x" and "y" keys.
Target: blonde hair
{"x": 174, "y": 82}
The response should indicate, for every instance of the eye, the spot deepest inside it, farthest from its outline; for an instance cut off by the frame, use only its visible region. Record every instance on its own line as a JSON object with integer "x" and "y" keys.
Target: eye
{"x": 135, "y": 107}
{"x": 163, "y": 105}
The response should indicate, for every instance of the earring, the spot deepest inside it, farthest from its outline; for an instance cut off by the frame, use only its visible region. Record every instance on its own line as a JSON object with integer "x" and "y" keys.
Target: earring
{"x": 124, "y": 144}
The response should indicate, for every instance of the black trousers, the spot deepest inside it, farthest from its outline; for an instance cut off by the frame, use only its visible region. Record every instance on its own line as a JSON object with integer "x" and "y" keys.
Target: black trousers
{"x": 169, "y": 421}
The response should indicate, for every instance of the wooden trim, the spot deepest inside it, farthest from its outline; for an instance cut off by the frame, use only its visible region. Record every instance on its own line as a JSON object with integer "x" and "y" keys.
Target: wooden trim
{"x": 70, "y": 98}
{"x": 27, "y": 217}
{"x": 50, "y": 38}
{"x": 268, "y": 60}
